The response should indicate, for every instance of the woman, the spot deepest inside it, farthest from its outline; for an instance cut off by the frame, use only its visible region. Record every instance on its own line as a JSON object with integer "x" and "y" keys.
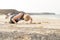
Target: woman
{"x": 20, "y": 16}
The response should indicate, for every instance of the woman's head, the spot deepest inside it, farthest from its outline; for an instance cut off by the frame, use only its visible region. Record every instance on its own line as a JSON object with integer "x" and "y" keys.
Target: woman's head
{"x": 26, "y": 17}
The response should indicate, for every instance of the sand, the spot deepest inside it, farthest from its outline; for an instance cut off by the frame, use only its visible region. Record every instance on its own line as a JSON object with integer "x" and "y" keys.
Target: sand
{"x": 42, "y": 28}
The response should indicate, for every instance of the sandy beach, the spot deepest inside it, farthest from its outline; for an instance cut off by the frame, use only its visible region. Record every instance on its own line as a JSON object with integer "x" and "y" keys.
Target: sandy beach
{"x": 42, "y": 26}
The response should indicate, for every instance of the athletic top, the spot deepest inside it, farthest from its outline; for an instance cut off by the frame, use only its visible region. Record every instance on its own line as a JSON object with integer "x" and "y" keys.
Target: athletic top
{"x": 16, "y": 19}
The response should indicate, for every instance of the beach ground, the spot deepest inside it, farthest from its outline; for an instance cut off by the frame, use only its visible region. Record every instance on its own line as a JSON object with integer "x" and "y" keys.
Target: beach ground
{"x": 24, "y": 31}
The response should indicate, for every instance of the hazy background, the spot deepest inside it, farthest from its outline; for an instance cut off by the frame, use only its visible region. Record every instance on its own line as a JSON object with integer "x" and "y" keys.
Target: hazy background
{"x": 32, "y": 5}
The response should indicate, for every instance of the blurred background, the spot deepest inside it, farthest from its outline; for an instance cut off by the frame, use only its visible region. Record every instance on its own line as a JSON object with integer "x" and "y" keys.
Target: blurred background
{"x": 32, "y": 6}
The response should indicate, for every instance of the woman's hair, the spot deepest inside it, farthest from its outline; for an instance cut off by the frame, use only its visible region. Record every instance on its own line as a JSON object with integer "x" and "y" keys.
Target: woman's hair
{"x": 26, "y": 17}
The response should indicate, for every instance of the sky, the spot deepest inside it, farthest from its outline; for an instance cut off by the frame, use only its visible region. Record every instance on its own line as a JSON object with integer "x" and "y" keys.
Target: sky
{"x": 32, "y": 5}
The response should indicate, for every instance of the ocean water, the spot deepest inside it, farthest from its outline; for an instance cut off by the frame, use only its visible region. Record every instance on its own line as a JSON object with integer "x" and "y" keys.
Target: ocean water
{"x": 46, "y": 16}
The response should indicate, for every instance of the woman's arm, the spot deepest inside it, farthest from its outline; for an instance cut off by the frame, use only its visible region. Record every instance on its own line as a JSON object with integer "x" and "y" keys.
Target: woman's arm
{"x": 30, "y": 20}
{"x": 13, "y": 20}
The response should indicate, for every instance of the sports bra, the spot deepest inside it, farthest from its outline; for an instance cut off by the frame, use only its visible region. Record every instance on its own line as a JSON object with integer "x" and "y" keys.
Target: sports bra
{"x": 18, "y": 18}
